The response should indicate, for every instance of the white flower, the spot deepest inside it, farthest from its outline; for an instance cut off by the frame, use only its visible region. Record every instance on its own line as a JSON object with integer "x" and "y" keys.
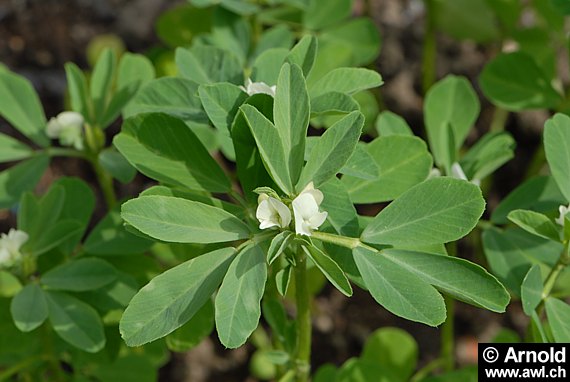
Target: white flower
{"x": 252, "y": 88}
{"x": 457, "y": 172}
{"x": 10, "y": 245}
{"x": 563, "y": 211}
{"x": 68, "y": 128}
{"x": 272, "y": 212}
{"x": 306, "y": 210}
{"x": 434, "y": 173}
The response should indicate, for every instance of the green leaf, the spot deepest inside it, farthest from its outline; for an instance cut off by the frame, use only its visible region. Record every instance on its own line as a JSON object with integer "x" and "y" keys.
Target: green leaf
{"x": 277, "y": 37}
{"x": 270, "y": 147}
{"x": 291, "y": 115}
{"x": 333, "y": 150}
{"x": 12, "y": 150}
{"x": 278, "y": 245}
{"x": 178, "y": 25}
{"x": 515, "y": 82}
{"x": 451, "y": 102}
{"x": 510, "y": 253}
{"x": 80, "y": 275}
{"x": 237, "y": 302}
{"x": 361, "y": 164}
{"x": 117, "y": 165}
{"x": 539, "y": 194}
{"x": 231, "y": 32}
{"x": 29, "y": 308}
{"x": 389, "y": 123}
{"x": 438, "y": 210}
{"x": 557, "y": 148}
{"x": 268, "y": 64}
{"x": 22, "y": 108}
{"x": 402, "y": 162}
{"x": 531, "y": 290}
{"x": 170, "y": 138}
{"x": 75, "y": 322}
{"x": 346, "y": 80}
{"x": 332, "y": 103}
{"x": 341, "y": 212}
{"x": 177, "y": 97}
{"x": 208, "y": 64}
{"x": 21, "y": 178}
{"x": 79, "y": 92}
{"x": 282, "y": 279}
{"x": 330, "y": 269}
{"x": 109, "y": 237}
{"x": 398, "y": 290}
{"x": 194, "y": 331}
{"x": 54, "y": 236}
{"x": 221, "y": 102}
{"x": 303, "y": 54}
{"x": 558, "y": 313}
{"x": 466, "y": 19}
{"x": 172, "y": 298}
{"x": 179, "y": 220}
{"x": 9, "y": 284}
{"x": 457, "y": 277}
{"x": 535, "y": 223}
{"x": 393, "y": 348}
{"x": 101, "y": 83}
{"x": 488, "y": 154}
{"x": 325, "y": 13}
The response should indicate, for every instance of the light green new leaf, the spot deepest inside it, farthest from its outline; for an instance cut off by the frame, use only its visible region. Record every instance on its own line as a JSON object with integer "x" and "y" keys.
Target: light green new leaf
{"x": 515, "y": 82}
{"x": 531, "y": 290}
{"x": 332, "y": 103}
{"x": 172, "y": 298}
{"x": 361, "y": 164}
{"x": 450, "y": 102}
{"x": 270, "y": 147}
{"x": 359, "y": 37}
{"x": 12, "y": 150}
{"x": 277, "y": 37}
{"x": 268, "y": 64}
{"x": 208, "y": 64}
{"x": 9, "y": 284}
{"x": 278, "y": 244}
{"x": 402, "y": 162}
{"x": 389, "y": 123}
{"x": 101, "y": 83}
{"x": 282, "y": 279}
{"x": 80, "y": 275}
{"x": 346, "y": 80}
{"x": 221, "y": 102}
{"x": 303, "y": 54}
{"x": 557, "y": 148}
{"x": 75, "y": 322}
{"x": 21, "y": 178}
{"x": 332, "y": 151}
{"x": 488, "y": 154}
{"x": 535, "y": 223}
{"x": 558, "y": 313}
{"x": 194, "y": 331}
{"x": 457, "y": 277}
{"x": 21, "y": 107}
{"x": 436, "y": 211}
{"x": 324, "y": 13}
{"x": 29, "y": 308}
{"x": 79, "y": 92}
{"x": 399, "y": 291}
{"x": 231, "y": 32}
{"x": 238, "y": 300}
{"x": 117, "y": 165}
{"x": 178, "y": 220}
{"x": 330, "y": 269}
{"x": 291, "y": 111}
{"x": 170, "y": 138}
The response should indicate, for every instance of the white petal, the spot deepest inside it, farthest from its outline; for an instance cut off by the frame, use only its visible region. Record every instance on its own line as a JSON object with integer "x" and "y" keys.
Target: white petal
{"x": 317, "y": 220}
{"x": 267, "y": 224}
{"x": 457, "y": 171}
{"x": 563, "y": 211}
{"x": 302, "y": 228}
{"x": 53, "y": 128}
{"x": 434, "y": 173}
{"x": 282, "y": 210}
{"x": 5, "y": 258}
{"x": 263, "y": 211}
{"x": 70, "y": 118}
{"x": 259, "y": 88}
{"x": 18, "y": 237}
{"x": 305, "y": 206}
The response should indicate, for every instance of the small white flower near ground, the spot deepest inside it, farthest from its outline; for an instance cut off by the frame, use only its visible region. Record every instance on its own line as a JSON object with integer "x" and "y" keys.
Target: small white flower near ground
{"x": 252, "y": 88}
{"x": 272, "y": 212}
{"x": 306, "y": 210}
{"x": 68, "y": 128}
{"x": 10, "y": 245}
{"x": 563, "y": 211}
{"x": 458, "y": 173}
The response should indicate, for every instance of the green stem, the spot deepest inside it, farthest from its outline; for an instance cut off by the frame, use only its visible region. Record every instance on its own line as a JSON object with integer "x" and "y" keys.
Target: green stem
{"x": 105, "y": 182}
{"x": 430, "y": 48}
{"x": 448, "y": 327}
{"x": 421, "y": 374}
{"x": 342, "y": 241}
{"x": 500, "y": 116}
{"x": 63, "y": 152}
{"x": 552, "y": 277}
{"x": 536, "y": 163}
{"x": 24, "y": 364}
{"x": 303, "y": 356}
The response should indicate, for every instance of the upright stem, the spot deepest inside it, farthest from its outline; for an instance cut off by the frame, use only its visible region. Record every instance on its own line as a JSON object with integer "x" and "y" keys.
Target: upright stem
{"x": 563, "y": 262}
{"x": 430, "y": 48}
{"x": 500, "y": 116}
{"x": 448, "y": 327}
{"x": 303, "y": 356}
{"x": 106, "y": 182}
